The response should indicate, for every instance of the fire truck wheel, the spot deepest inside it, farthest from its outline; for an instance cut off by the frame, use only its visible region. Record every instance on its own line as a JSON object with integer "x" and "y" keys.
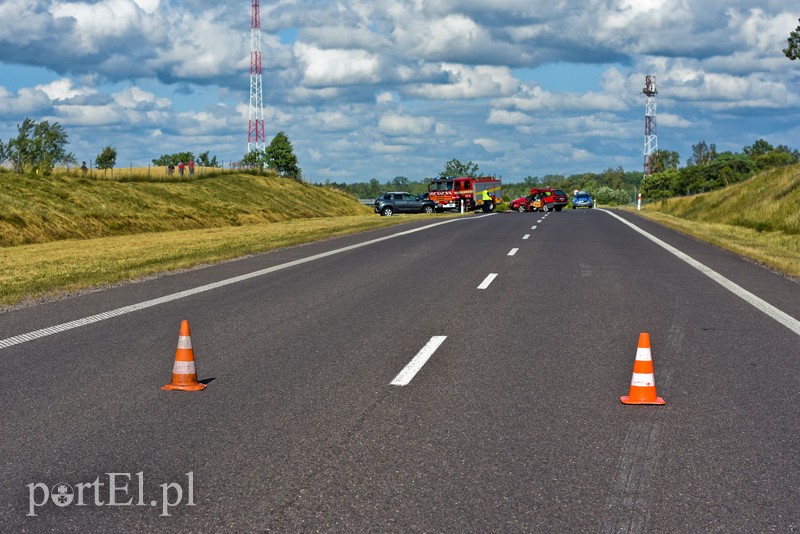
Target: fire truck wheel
{"x": 387, "y": 211}
{"x": 545, "y": 207}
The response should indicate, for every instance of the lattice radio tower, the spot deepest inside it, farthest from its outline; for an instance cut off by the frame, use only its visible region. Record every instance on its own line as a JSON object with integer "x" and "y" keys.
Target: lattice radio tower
{"x": 650, "y": 138}
{"x": 255, "y": 126}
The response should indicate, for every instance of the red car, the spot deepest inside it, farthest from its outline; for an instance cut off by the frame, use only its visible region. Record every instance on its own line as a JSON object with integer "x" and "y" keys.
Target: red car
{"x": 521, "y": 204}
{"x": 552, "y": 199}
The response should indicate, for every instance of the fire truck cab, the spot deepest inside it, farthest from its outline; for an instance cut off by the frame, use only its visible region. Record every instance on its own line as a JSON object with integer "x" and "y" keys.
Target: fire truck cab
{"x": 448, "y": 193}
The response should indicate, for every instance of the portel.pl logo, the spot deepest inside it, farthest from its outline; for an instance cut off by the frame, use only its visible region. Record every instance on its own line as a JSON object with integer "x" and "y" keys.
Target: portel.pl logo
{"x": 115, "y": 491}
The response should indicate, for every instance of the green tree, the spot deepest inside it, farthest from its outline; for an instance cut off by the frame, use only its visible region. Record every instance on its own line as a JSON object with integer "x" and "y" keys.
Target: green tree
{"x": 793, "y": 50}
{"x": 203, "y": 160}
{"x": 255, "y": 159}
{"x": 400, "y": 183}
{"x": 702, "y": 154}
{"x": 38, "y": 147}
{"x": 664, "y": 160}
{"x": 280, "y": 156}
{"x": 106, "y": 159}
{"x": 659, "y": 185}
{"x": 3, "y": 152}
{"x": 759, "y": 148}
{"x": 454, "y": 169}
{"x": 173, "y": 159}
{"x": 50, "y": 141}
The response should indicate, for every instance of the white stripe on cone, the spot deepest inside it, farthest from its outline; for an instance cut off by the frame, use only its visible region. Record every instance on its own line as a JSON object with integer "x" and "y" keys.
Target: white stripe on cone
{"x": 643, "y": 380}
{"x": 184, "y": 342}
{"x": 184, "y": 368}
{"x": 644, "y": 355}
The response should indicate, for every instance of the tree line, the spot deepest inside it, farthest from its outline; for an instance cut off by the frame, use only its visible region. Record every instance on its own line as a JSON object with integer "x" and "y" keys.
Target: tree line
{"x": 39, "y": 147}
{"x": 707, "y": 169}
{"x": 612, "y": 186}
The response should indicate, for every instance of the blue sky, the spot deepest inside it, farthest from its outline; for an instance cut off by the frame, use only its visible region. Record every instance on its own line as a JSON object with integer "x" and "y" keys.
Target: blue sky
{"x": 382, "y": 88}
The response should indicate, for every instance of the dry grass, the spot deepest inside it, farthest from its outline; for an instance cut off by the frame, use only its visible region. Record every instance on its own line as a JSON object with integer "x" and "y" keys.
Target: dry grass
{"x": 66, "y": 232}
{"x": 44, "y": 270}
{"x": 40, "y": 210}
{"x": 758, "y": 218}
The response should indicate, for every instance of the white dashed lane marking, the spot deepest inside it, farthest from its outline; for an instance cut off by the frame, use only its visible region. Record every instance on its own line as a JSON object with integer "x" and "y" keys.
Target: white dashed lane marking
{"x": 487, "y": 281}
{"x": 410, "y": 371}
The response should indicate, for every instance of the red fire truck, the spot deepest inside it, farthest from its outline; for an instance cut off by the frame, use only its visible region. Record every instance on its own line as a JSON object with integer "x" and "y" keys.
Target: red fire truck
{"x": 448, "y": 193}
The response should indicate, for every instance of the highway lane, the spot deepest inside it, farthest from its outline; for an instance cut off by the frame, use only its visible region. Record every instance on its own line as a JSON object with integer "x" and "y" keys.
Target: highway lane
{"x": 513, "y": 424}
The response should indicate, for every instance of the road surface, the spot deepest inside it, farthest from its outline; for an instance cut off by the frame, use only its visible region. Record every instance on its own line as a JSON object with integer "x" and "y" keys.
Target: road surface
{"x": 449, "y": 376}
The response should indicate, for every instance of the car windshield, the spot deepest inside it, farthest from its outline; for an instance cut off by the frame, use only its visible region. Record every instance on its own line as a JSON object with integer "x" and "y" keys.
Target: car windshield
{"x": 441, "y": 186}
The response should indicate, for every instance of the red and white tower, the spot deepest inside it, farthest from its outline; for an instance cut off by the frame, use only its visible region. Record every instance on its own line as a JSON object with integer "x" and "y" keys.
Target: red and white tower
{"x": 650, "y": 138}
{"x": 255, "y": 127}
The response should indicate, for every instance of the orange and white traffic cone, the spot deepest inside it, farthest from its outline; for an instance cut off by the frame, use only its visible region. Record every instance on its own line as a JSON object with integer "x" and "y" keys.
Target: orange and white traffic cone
{"x": 184, "y": 375}
{"x": 643, "y": 382}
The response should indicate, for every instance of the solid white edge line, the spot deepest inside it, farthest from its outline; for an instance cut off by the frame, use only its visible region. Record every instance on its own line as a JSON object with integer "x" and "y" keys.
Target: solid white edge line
{"x": 410, "y": 371}
{"x": 513, "y": 251}
{"x": 782, "y": 317}
{"x": 487, "y": 281}
{"x": 63, "y": 327}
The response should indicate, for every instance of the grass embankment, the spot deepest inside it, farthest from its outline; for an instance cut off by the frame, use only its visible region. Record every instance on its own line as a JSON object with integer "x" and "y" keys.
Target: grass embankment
{"x": 41, "y": 210}
{"x": 63, "y": 234}
{"x": 758, "y": 218}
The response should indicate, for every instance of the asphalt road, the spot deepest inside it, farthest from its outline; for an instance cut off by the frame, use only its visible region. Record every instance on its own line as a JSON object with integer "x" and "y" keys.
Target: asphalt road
{"x": 513, "y": 424}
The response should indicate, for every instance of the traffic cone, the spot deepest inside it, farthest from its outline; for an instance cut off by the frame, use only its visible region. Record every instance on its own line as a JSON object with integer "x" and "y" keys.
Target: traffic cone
{"x": 184, "y": 375}
{"x": 643, "y": 382}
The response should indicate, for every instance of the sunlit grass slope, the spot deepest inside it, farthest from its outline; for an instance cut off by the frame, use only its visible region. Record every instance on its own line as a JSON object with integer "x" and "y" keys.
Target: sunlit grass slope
{"x": 758, "y": 218}
{"x": 45, "y": 209}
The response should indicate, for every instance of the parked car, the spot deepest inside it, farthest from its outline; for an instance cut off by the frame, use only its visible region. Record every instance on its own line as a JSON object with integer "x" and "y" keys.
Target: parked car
{"x": 393, "y": 202}
{"x": 582, "y": 199}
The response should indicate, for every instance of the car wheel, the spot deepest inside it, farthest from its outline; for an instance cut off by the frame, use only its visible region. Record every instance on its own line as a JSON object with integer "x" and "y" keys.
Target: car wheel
{"x": 521, "y": 208}
{"x": 387, "y": 211}
{"x": 573, "y": 207}
{"x": 427, "y": 209}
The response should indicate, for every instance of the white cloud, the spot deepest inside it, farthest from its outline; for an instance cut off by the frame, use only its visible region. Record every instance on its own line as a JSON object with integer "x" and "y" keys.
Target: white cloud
{"x": 336, "y": 67}
{"x": 508, "y": 118}
{"x": 671, "y": 120}
{"x": 395, "y": 124}
{"x": 534, "y": 98}
{"x": 62, "y": 89}
{"x": 383, "y": 148}
{"x": 491, "y": 145}
{"x": 468, "y": 82}
{"x": 26, "y": 101}
{"x": 136, "y": 98}
{"x": 404, "y": 82}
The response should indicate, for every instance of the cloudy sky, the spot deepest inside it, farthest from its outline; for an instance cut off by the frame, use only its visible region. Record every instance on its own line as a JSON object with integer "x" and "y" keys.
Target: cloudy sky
{"x": 383, "y": 88}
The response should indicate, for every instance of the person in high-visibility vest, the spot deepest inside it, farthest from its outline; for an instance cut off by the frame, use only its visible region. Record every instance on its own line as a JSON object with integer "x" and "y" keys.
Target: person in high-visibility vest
{"x": 488, "y": 204}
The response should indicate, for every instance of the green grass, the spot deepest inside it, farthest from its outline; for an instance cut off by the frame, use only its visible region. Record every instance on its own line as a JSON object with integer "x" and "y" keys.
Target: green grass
{"x": 758, "y": 218}
{"x": 41, "y": 210}
{"x": 67, "y": 233}
{"x": 63, "y": 233}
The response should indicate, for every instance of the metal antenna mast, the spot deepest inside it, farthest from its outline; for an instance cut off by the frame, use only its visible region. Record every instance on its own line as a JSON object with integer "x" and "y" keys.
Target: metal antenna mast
{"x": 650, "y": 137}
{"x": 255, "y": 126}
